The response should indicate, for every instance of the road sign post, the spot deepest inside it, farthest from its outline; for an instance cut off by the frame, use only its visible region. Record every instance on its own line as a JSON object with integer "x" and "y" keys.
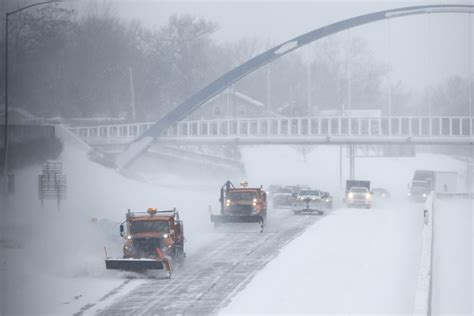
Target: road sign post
{"x": 52, "y": 184}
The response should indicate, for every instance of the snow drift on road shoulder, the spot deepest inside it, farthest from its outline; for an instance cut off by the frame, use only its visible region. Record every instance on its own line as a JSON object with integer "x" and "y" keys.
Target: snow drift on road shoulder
{"x": 51, "y": 250}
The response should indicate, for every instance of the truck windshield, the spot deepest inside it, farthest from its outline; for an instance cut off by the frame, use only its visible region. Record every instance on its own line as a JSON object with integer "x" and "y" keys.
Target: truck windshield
{"x": 359, "y": 190}
{"x": 309, "y": 192}
{"x": 420, "y": 184}
{"x": 242, "y": 195}
{"x": 423, "y": 174}
{"x": 149, "y": 226}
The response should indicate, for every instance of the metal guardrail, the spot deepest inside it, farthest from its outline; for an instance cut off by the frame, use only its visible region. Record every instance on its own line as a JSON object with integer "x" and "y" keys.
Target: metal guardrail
{"x": 457, "y": 195}
{"x": 444, "y": 129}
{"x": 424, "y": 282}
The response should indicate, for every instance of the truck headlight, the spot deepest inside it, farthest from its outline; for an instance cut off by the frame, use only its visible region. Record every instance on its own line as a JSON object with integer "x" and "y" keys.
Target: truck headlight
{"x": 129, "y": 237}
{"x": 367, "y": 196}
{"x": 424, "y": 194}
{"x": 227, "y": 203}
{"x": 327, "y": 200}
{"x": 350, "y": 195}
{"x": 165, "y": 235}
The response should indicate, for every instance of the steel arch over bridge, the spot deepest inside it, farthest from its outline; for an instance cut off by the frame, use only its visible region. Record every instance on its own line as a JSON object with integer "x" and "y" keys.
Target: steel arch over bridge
{"x": 220, "y": 84}
{"x": 296, "y": 130}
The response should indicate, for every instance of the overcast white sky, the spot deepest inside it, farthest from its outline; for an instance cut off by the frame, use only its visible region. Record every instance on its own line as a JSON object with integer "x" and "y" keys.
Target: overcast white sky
{"x": 414, "y": 58}
{"x": 425, "y": 49}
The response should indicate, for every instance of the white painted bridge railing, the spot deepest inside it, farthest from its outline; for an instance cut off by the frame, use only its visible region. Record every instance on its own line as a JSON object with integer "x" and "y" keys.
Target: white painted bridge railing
{"x": 294, "y": 126}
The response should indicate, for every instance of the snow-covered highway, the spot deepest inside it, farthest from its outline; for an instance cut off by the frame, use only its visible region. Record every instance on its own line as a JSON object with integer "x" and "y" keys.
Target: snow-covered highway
{"x": 353, "y": 261}
{"x": 216, "y": 272}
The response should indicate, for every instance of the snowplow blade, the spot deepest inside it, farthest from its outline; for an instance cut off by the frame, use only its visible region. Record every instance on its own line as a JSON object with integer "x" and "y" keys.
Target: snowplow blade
{"x": 133, "y": 264}
{"x": 236, "y": 219}
{"x": 308, "y": 211}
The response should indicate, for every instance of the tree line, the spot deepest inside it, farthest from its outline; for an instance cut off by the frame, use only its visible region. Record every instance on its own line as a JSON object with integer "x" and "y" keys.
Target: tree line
{"x": 83, "y": 64}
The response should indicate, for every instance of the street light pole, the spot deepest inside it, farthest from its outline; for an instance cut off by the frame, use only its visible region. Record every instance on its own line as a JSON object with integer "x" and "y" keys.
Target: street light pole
{"x": 5, "y": 142}
{"x": 5, "y": 162}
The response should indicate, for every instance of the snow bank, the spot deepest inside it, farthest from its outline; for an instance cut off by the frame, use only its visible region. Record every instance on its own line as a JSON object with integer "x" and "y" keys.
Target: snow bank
{"x": 55, "y": 256}
{"x": 452, "y": 273}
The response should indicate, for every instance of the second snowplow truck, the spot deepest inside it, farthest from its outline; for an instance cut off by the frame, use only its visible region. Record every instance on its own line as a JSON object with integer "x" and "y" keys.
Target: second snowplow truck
{"x": 153, "y": 240}
{"x": 242, "y": 204}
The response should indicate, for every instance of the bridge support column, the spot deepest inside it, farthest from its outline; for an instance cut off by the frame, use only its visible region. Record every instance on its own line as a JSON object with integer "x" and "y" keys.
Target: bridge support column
{"x": 351, "y": 162}
{"x": 340, "y": 166}
{"x": 470, "y": 170}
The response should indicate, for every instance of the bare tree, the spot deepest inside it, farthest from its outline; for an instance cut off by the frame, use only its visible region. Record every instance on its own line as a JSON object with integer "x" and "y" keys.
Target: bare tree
{"x": 304, "y": 150}
{"x": 451, "y": 97}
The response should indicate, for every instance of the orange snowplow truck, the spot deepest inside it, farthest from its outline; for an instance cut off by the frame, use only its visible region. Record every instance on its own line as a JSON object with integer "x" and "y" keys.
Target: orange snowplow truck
{"x": 242, "y": 204}
{"x": 153, "y": 240}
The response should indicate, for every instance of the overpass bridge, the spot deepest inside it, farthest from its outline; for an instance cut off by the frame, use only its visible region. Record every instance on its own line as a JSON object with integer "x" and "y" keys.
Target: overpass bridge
{"x": 419, "y": 130}
{"x": 154, "y": 132}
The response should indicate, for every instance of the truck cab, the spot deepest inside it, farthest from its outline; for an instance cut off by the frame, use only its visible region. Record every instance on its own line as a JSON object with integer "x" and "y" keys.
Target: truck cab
{"x": 245, "y": 201}
{"x": 241, "y": 204}
{"x": 421, "y": 185}
{"x": 358, "y": 193}
{"x": 152, "y": 240}
{"x": 309, "y": 201}
{"x": 282, "y": 197}
{"x": 145, "y": 232}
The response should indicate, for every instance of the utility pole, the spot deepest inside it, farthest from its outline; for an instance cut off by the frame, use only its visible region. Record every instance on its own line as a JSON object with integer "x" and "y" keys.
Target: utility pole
{"x": 470, "y": 161}
{"x": 351, "y": 162}
{"x": 227, "y": 100}
{"x": 349, "y": 70}
{"x": 389, "y": 73}
{"x": 430, "y": 62}
{"x": 340, "y": 166}
{"x": 132, "y": 90}
{"x": 308, "y": 73}
{"x": 6, "y": 130}
{"x": 470, "y": 61}
{"x": 349, "y": 106}
{"x": 269, "y": 90}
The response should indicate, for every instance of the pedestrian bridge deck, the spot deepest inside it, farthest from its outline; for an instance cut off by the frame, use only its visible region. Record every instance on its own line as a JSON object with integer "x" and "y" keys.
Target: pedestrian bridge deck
{"x": 297, "y": 130}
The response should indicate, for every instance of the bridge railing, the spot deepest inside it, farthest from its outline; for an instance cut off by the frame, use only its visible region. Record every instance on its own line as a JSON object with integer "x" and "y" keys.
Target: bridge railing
{"x": 295, "y": 126}
{"x": 117, "y": 131}
{"x": 326, "y": 126}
